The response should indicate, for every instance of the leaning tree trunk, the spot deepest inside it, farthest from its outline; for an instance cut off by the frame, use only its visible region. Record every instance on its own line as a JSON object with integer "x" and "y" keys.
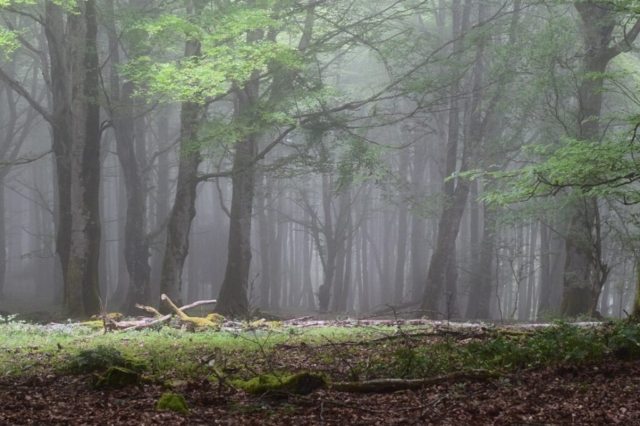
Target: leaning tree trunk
{"x": 184, "y": 205}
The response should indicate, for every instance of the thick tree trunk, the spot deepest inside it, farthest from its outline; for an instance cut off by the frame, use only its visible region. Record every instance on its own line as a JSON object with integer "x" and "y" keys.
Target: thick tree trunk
{"x": 577, "y": 282}
{"x": 136, "y": 247}
{"x": 61, "y": 132}
{"x": 479, "y": 306}
{"x": 162, "y": 207}
{"x": 599, "y": 20}
{"x": 82, "y": 284}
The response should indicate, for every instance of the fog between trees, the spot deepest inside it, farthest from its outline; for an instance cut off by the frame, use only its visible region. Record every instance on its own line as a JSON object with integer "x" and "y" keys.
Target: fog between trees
{"x": 456, "y": 158}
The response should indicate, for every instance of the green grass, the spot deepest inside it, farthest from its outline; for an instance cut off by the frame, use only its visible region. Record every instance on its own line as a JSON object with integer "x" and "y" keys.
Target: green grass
{"x": 33, "y": 349}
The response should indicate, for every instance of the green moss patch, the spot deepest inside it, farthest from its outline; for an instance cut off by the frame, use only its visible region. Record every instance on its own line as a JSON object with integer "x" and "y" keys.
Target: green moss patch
{"x": 301, "y": 383}
{"x": 174, "y": 402}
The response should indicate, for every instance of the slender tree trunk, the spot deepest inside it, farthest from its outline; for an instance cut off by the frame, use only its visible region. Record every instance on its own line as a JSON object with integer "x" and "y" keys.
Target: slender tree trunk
{"x": 364, "y": 295}
{"x": 306, "y": 271}
{"x": 324, "y": 292}
{"x": 341, "y": 233}
{"x": 418, "y": 223}
{"x": 398, "y": 292}
{"x": 262, "y": 193}
{"x": 544, "y": 278}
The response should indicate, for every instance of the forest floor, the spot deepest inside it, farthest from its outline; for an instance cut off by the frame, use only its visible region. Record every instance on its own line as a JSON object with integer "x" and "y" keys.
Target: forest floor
{"x": 557, "y": 375}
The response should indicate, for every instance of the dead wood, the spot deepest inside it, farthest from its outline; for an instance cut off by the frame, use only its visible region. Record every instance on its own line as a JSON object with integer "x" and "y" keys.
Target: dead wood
{"x": 199, "y": 303}
{"x": 145, "y": 324}
{"x": 394, "y": 385}
{"x": 149, "y": 309}
{"x": 197, "y": 321}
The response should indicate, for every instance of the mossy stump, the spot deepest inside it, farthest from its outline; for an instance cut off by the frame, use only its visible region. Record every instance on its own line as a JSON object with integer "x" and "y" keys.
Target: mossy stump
{"x": 116, "y": 377}
{"x": 174, "y": 402}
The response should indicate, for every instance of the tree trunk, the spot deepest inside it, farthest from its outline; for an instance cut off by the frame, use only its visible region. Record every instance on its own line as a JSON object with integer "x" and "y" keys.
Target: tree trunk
{"x": 398, "y": 292}
{"x": 184, "y": 205}
{"x": 262, "y": 193}
{"x": 544, "y": 278}
{"x": 599, "y": 20}
{"x": 233, "y": 299}
{"x": 84, "y": 258}
{"x": 132, "y": 162}
{"x": 233, "y": 293}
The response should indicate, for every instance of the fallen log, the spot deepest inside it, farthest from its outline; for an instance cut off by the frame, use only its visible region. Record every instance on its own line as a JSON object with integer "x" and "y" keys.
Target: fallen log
{"x": 394, "y": 385}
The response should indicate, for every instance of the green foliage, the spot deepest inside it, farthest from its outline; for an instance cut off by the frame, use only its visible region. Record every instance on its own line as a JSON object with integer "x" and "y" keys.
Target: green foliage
{"x": 228, "y": 53}
{"x": 604, "y": 169}
{"x": 360, "y": 161}
{"x": 624, "y": 341}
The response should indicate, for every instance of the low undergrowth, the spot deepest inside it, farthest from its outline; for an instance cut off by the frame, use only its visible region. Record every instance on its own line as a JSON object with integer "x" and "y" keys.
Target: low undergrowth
{"x": 337, "y": 353}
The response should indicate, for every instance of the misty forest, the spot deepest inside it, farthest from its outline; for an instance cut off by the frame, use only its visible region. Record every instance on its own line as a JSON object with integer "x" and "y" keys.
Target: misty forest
{"x": 420, "y": 204}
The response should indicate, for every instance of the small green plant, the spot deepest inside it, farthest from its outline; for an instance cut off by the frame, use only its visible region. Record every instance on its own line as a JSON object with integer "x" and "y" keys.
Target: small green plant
{"x": 624, "y": 341}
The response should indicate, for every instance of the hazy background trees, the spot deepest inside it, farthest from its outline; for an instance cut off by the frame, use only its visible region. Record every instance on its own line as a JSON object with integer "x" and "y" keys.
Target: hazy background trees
{"x": 456, "y": 158}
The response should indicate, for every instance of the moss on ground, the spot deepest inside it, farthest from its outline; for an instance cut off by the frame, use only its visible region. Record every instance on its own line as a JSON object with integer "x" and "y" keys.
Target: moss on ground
{"x": 300, "y": 383}
{"x": 174, "y": 402}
